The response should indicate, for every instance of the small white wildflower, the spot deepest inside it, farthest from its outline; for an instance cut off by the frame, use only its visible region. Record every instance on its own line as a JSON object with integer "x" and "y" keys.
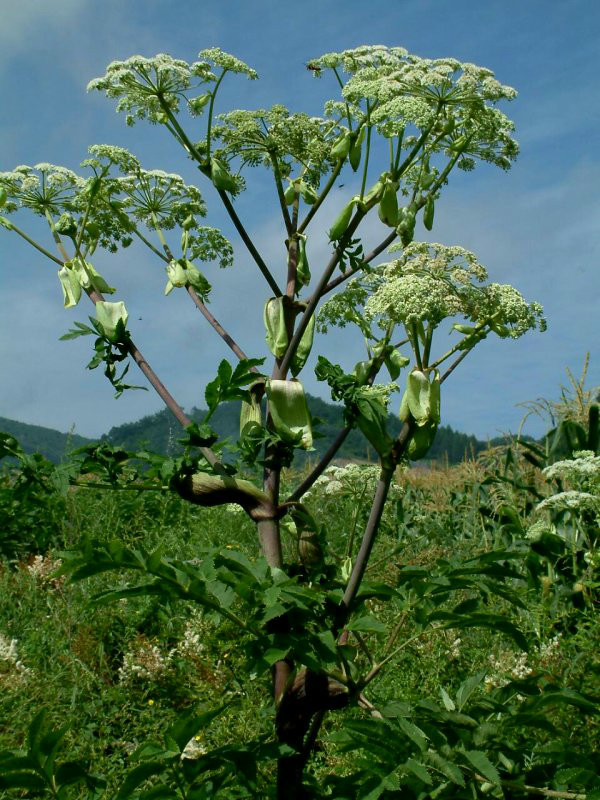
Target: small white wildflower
{"x": 143, "y": 662}
{"x": 12, "y": 669}
{"x": 42, "y": 567}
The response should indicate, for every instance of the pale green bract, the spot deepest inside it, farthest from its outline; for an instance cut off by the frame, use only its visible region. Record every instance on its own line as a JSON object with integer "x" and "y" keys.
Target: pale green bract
{"x": 109, "y": 315}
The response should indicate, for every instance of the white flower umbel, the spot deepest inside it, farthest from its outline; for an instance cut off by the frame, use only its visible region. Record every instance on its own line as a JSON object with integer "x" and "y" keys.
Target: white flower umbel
{"x": 147, "y": 87}
{"x": 583, "y": 468}
{"x": 12, "y": 669}
{"x": 571, "y": 500}
{"x": 411, "y": 92}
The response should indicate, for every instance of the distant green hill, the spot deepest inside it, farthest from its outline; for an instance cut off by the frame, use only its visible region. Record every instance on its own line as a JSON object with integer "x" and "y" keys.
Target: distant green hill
{"x": 36, "y": 439}
{"x": 159, "y": 433}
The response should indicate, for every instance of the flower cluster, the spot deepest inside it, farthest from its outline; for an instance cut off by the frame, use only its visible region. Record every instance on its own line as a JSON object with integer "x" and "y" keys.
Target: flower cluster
{"x": 12, "y": 669}
{"x": 453, "y": 102}
{"x": 43, "y": 188}
{"x": 506, "y": 667}
{"x": 294, "y": 139}
{"x": 144, "y": 87}
{"x": 580, "y": 482}
{"x": 143, "y": 662}
{"x": 152, "y": 88}
{"x": 191, "y": 644}
{"x": 353, "y": 480}
{"x": 431, "y": 282}
{"x": 42, "y": 568}
{"x": 583, "y": 470}
{"x": 571, "y": 500}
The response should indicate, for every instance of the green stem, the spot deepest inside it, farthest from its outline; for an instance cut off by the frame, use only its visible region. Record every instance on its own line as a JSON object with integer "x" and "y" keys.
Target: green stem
{"x": 367, "y": 153}
{"x": 213, "y": 94}
{"x": 453, "y": 366}
{"x": 249, "y": 244}
{"x": 458, "y": 346}
{"x": 37, "y": 246}
{"x": 226, "y": 201}
{"x": 367, "y": 543}
{"x": 414, "y": 340}
{"x": 161, "y": 237}
{"x": 56, "y": 237}
{"x": 419, "y": 143}
{"x": 368, "y": 258}
{"x": 348, "y": 116}
{"x": 326, "y": 189}
{"x": 372, "y": 674}
{"x": 283, "y": 205}
{"x": 398, "y": 152}
{"x": 216, "y": 325}
{"x": 427, "y": 348}
{"x": 133, "y": 487}
{"x": 316, "y": 296}
{"x": 321, "y": 466}
{"x": 149, "y": 244}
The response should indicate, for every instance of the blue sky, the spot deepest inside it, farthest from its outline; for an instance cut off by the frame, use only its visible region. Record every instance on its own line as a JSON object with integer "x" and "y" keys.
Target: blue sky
{"x": 536, "y": 226}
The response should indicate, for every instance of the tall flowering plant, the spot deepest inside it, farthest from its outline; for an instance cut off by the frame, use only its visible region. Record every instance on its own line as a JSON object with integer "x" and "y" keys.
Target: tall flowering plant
{"x": 397, "y": 128}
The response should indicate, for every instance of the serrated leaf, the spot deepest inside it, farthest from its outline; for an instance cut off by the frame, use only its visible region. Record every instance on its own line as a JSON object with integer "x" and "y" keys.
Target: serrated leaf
{"x": 419, "y": 770}
{"x": 34, "y": 733}
{"x": 413, "y": 732}
{"x": 447, "y": 768}
{"x": 483, "y": 765}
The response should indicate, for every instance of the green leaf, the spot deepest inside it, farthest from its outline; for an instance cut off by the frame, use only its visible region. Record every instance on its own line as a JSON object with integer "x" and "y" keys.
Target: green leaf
{"x": 137, "y": 776}
{"x": 79, "y": 330}
{"x": 419, "y": 770}
{"x": 212, "y": 393}
{"x": 567, "y": 697}
{"x": 224, "y": 372}
{"x": 189, "y": 723}
{"x": 483, "y": 765}
{"x": 447, "y": 768}
{"x": 34, "y": 734}
{"x": 198, "y": 435}
{"x": 367, "y": 624}
{"x": 71, "y": 772}
{"x": 273, "y": 654}
{"x": 413, "y": 732}
{"x": 447, "y": 700}
{"x": 466, "y": 689}
{"x": 22, "y": 780}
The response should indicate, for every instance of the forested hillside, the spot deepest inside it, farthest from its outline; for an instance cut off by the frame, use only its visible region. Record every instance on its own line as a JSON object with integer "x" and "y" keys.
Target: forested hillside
{"x": 160, "y": 433}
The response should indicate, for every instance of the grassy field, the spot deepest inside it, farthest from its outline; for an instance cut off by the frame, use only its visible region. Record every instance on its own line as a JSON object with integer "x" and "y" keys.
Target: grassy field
{"x": 118, "y": 674}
